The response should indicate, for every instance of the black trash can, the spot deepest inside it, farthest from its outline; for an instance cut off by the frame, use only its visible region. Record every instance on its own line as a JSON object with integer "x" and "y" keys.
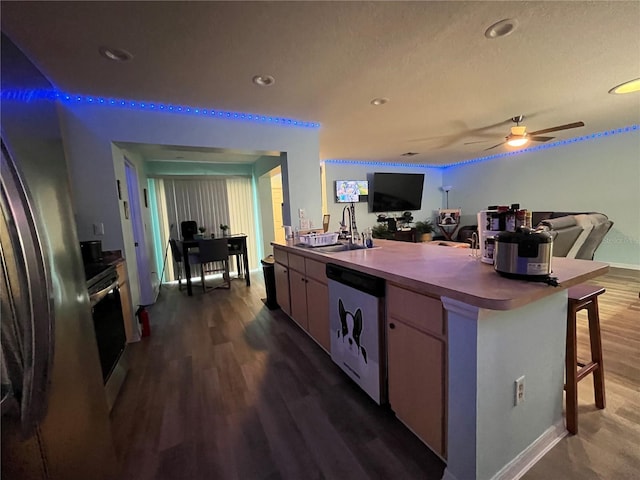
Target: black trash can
{"x": 268, "y": 269}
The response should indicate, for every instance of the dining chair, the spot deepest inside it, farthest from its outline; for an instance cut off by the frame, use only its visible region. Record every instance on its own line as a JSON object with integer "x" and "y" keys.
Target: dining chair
{"x": 176, "y": 252}
{"x": 188, "y": 229}
{"x": 213, "y": 256}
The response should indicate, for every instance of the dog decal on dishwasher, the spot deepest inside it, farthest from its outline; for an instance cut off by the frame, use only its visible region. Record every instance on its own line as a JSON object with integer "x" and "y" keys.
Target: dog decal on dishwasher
{"x": 351, "y": 330}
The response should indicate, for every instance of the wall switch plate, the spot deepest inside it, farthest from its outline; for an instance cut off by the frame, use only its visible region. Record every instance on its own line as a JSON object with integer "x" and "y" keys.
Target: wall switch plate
{"x": 301, "y": 213}
{"x": 305, "y": 224}
{"x": 518, "y": 391}
{"x": 98, "y": 228}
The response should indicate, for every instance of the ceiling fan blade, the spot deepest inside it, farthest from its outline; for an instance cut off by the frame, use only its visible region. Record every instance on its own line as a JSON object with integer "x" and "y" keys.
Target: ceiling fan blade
{"x": 478, "y": 141}
{"x": 559, "y": 127}
{"x": 541, "y": 139}
{"x": 501, "y": 143}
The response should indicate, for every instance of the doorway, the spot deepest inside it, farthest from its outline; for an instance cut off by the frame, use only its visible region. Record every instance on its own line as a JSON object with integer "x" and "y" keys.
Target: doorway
{"x": 271, "y": 199}
{"x": 277, "y": 200}
{"x": 139, "y": 242}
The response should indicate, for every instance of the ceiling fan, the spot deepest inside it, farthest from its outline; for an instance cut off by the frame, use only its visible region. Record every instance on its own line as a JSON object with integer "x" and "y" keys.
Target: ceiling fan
{"x": 520, "y": 137}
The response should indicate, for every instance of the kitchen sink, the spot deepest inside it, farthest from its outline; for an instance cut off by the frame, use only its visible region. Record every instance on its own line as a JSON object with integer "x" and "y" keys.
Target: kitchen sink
{"x": 338, "y": 247}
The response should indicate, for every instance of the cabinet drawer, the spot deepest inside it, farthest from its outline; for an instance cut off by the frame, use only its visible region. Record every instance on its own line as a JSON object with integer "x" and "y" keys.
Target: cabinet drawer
{"x": 316, "y": 270}
{"x": 420, "y": 311}
{"x": 296, "y": 262}
{"x": 281, "y": 256}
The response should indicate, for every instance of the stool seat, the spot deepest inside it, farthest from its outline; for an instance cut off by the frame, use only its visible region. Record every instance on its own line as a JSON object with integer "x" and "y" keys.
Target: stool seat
{"x": 584, "y": 292}
{"x": 582, "y": 297}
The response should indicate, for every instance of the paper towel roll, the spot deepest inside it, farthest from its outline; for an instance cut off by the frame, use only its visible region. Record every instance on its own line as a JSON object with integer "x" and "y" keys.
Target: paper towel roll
{"x": 288, "y": 233}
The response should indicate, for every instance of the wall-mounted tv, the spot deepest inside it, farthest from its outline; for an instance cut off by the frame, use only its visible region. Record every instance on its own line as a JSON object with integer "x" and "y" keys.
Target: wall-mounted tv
{"x": 393, "y": 192}
{"x": 348, "y": 191}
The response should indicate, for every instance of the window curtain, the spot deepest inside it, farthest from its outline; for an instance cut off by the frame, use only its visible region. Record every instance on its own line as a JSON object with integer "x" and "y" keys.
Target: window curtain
{"x": 241, "y": 214}
{"x": 204, "y": 201}
{"x": 210, "y": 202}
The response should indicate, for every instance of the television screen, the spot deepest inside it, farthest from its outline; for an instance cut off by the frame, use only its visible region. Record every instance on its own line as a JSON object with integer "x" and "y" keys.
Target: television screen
{"x": 348, "y": 191}
{"x": 397, "y": 191}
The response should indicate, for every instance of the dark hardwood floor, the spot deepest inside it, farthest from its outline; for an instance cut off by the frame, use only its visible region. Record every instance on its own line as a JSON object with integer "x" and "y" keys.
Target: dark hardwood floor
{"x": 226, "y": 389}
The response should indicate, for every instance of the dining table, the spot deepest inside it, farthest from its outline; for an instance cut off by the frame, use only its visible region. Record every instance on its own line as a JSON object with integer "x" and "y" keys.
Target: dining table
{"x": 237, "y": 247}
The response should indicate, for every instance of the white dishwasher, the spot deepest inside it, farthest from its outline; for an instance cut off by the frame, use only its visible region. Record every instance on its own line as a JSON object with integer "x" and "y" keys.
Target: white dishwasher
{"x": 356, "y": 312}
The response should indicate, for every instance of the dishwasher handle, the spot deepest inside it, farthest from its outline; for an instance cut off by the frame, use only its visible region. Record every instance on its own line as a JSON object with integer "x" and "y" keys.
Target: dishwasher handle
{"x": 361, "y": 281}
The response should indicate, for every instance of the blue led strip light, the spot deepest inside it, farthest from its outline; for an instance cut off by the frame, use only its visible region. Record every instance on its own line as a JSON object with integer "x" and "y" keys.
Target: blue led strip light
{"x": 184, "y": 109}
{"x": 544, "y": 146}
{"x": 28, "y": 95}
{"x": 337, "y": 161}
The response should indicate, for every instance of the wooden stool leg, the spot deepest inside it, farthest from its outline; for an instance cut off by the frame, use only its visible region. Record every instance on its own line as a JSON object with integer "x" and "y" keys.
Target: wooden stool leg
{"x": 596, "y": 352}
{"x": 571, "y": 368}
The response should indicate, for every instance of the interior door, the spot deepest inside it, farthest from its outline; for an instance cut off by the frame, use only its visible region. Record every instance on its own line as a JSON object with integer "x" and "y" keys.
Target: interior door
{"x": 137, "y": 225}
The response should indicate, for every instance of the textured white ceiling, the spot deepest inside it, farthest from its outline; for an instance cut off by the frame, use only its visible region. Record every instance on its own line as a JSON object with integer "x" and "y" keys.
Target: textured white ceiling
{"x": 447, "y": 84}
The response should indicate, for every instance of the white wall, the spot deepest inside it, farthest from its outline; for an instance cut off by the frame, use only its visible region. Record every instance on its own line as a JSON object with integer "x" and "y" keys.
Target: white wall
{"x": 89, "y": 131}
{"x": 599, "y": 175}
{"x": 431, "y": 194}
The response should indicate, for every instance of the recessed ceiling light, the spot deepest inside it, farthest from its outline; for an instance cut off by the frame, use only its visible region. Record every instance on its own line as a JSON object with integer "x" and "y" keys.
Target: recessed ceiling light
{"x": 263, "y": 80}
{"x": 409, "y": 154}
{"x": 626, "y": 87}
{"x": 115, "y": 54}
{"x": 379, "y": 101}
{"x": 502, "y": 28}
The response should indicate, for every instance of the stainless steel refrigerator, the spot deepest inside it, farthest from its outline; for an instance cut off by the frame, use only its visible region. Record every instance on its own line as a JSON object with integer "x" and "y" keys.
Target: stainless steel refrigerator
{"x": 55, "y": 422}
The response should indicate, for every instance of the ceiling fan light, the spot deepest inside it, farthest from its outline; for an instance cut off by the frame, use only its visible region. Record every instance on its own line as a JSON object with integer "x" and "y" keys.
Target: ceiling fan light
{"x": 517, "y": 140}
{"x": 626, "y": 87}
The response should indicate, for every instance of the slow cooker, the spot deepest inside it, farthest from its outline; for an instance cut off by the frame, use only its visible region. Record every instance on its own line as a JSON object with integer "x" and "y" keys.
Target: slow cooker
{"x": 525, "y": 254}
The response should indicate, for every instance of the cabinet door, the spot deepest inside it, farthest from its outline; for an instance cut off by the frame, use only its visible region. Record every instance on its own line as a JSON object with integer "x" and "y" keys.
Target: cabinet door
{"x": 282, "y": 288}
{"x": 298, "y": 289}
{"x": 318, "y": 312}
{"x": 416, "y": 382}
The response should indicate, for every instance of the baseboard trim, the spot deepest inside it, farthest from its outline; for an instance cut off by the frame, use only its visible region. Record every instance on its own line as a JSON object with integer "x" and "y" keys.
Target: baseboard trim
{"x": 517, "y": 467}
{"x": 628, "y": 266}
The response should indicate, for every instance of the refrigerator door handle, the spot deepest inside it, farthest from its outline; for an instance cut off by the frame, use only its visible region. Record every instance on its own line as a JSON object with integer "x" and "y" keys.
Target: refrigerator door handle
{"x": 27, "y": 316}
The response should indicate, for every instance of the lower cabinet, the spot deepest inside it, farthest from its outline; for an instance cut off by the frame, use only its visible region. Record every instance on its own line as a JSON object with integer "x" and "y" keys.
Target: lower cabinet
{"x": 318, "y": 312}
{"x": 282, "y": 287}
{"x": 416, "y": 355}
{"x": 298, "y": 293}
{"x": 303, "y": 294}
{"x": 416, "y": 342}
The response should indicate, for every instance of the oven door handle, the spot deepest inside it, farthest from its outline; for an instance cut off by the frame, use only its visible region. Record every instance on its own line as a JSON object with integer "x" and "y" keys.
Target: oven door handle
{"x": 96, "y": 297}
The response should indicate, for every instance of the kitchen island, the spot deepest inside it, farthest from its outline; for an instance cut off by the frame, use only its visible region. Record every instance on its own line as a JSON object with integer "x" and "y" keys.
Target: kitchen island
{"x": 492, "y": 332}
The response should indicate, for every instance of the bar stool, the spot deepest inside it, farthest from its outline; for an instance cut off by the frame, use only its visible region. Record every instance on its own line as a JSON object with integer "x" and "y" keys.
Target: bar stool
{"x": 583, "y": 297}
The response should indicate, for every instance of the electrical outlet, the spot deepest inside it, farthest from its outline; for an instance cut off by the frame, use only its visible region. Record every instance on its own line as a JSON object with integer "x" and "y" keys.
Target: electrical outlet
{"x": 98, "y": 228}
{"x": 301, "y": 213}
{"x": 518, "y": 391}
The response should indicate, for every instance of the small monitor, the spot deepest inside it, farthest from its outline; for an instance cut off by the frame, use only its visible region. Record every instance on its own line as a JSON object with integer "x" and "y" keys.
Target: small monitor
{"x": 348, "y": 191}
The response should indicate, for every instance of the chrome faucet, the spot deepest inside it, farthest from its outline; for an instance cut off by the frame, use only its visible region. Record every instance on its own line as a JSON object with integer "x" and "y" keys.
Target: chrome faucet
{"x": 352, "y": 229}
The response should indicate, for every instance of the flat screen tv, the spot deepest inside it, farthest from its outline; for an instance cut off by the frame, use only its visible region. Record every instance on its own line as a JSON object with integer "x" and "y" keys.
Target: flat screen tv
{"x": 394, "y": 192}
{"x": 348, "y": 191}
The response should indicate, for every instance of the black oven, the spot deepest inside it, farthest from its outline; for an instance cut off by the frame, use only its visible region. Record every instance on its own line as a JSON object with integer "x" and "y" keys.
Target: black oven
{"x": 108, "y": 321}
